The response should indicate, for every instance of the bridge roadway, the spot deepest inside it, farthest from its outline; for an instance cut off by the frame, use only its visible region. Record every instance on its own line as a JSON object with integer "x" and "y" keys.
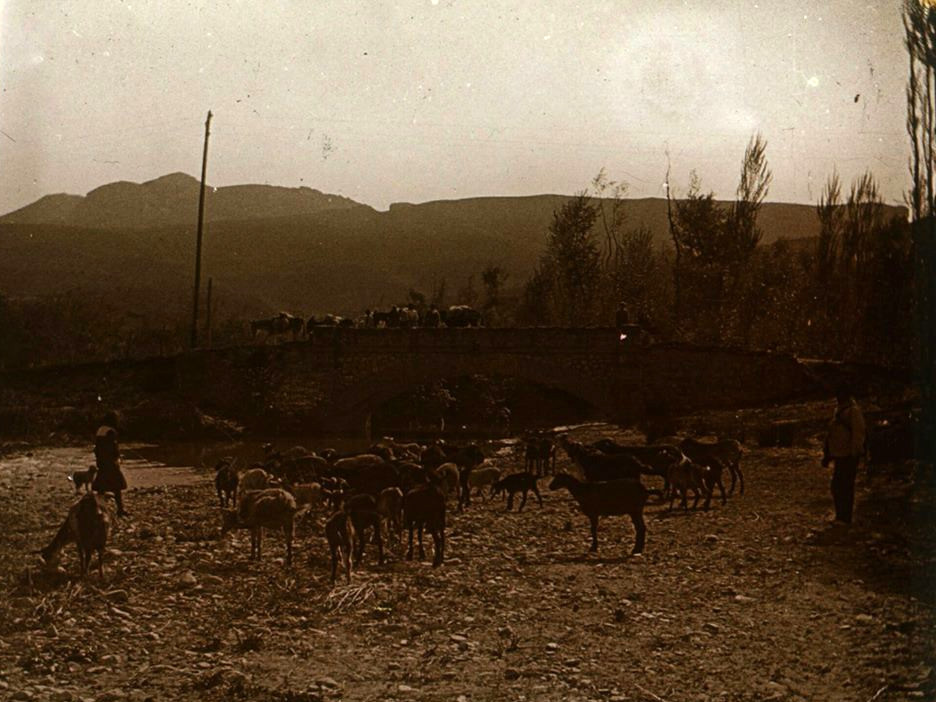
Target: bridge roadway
{"x": 334, "y": 380}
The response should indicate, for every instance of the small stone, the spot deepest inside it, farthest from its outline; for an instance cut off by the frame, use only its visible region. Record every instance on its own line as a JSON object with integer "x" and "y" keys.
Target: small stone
{"x": 187, "y": 580}
{"x": 404, "y": 688}
{"x": 552, "y": 647}
{"x": 458, "y": 638}
{"x": 511, "y": 674}
{"x": 743, "y": 599}
{"x": 327, "y": 682}
{"x": 116, "y": 596}
{"x": 571, "y": 663}
{"x": 864, "y": 619}
{"x": 461, "y": 698}
{"x": 711, "y": 539}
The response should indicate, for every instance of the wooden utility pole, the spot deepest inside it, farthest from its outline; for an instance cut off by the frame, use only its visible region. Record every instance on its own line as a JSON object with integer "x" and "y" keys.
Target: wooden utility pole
{"x": 201, "y": 212}
{"x": 208, "y": 315}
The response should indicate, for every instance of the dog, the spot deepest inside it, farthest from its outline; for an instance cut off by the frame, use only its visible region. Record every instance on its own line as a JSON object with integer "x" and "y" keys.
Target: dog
{"x": 83, "y": 478}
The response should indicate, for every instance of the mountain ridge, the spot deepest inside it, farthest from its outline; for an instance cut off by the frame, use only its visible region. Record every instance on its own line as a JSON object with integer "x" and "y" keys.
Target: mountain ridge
{"x": 318, "y": 256}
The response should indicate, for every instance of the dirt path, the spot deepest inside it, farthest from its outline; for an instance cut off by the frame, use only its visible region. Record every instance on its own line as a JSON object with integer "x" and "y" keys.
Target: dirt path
{"x": 753, "y": 600}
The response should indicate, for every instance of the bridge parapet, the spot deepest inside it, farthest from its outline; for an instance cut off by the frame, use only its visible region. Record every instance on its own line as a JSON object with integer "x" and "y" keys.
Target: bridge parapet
{"x": 540, "y": 340}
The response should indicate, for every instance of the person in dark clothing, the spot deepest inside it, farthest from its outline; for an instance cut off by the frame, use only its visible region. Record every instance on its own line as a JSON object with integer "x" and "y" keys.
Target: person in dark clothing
{"x": 109, "y": 477}
{"x": 844, "y": 446}
{"x": 622, "y": 317}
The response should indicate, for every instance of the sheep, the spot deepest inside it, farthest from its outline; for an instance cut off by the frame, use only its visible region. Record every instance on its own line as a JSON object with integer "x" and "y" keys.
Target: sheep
{"x": 727, "y": 452}
{"x": 88, "y": 525}
{"x": 424, "y": 506}
{"x": 226, "y": 480}
{"x": 390, "y": 507}
{"x": 255, "y": 479}
{"x": 83, "y": 478}
{"x": 339, "y": 532}
{"x": 272, "y": 508}
{"x": 601, "y": 467}
{"x": 484, "y": 476}
{"x": 514, "y": 483}
{"x": 608, "y": 498}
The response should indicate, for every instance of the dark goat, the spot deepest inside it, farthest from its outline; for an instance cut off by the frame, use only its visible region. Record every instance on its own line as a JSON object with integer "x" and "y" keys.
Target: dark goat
{"x": 539, "y": 455}
{"x": 686, "y": 476}
{"x": 226, "y": 480}
{"x": 603, "y": 499}
{"x": 658, "y": 458}
{"x": 362, "y": 509}
{"x": 88, "y": 525}
{"x": 727, "y": 453}
{"x": 424, "y": 507}
{"x": 601, "y": 467}
{"x": 340, "y": 535}
{"x": 514, "y": 483}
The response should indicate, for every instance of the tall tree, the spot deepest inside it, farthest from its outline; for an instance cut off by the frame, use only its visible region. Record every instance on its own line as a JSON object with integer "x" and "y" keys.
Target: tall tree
{"x": 919, "y": 20}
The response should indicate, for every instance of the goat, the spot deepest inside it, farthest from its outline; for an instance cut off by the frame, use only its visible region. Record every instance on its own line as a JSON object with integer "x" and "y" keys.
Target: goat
{"x": 255, "y": 479}
{"x": 608, "y": 498}
{"x": 226, "y": 480}
{"x": 686, "y": 476}
{"x": 449, "y": 478}
{"x": 600, "y": 467}
{"x": 339, "y": 532}
{"x": 88, "y": 525}
{"x": 539, "y": 455}
{"x": 273, "y": 508}
{"x": 424, "y": 507}
{"x": 727, "y": 453}
{"x": 308, "y": 495}
{"x": 362, "y": 510}
{"x": 657, "y": 457}
{"x": 83, "y": 478}
{"x": 390, "y": 507}
{"x": 514, "y": 483}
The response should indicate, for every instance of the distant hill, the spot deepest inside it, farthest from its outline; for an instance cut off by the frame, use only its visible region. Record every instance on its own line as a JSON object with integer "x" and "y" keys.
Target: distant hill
{"x": 270, "y": 248}
{"x": 172, "y": 200}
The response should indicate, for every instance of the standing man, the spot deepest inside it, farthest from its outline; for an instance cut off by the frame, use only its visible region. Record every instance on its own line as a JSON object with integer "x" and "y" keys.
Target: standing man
{"x": 844, "y": 446}
{"x": 109, "y": 477}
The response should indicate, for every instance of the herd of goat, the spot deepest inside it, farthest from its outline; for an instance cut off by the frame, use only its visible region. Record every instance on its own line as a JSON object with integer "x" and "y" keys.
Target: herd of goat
{"x": 286, "y": 325}
{"x": 396, "y": 486}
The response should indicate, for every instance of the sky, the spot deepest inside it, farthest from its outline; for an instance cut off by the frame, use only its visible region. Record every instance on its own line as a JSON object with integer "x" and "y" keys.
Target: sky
{"x": 418, "y": 100}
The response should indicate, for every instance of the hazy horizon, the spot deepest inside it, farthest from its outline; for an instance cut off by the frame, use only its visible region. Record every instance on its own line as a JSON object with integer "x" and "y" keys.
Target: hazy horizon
{"x": 440, "y": 101}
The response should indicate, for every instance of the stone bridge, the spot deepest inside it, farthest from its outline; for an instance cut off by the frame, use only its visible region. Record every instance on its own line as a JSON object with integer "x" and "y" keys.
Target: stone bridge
{"x": 333, "y": 381}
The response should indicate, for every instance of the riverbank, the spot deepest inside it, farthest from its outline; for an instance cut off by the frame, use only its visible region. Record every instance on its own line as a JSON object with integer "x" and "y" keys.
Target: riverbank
{"x": 757, "y": 599}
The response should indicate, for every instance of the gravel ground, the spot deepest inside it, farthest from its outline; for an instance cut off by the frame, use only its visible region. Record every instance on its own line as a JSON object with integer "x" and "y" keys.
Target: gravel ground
{"x": 759, "y": 599}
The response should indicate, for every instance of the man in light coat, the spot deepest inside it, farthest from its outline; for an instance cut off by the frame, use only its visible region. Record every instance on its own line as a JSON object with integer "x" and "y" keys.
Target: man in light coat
{"x": 844, "y": 446}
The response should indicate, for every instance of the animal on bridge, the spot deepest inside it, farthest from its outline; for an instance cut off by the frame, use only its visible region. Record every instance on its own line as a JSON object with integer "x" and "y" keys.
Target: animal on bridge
{"x": 275, "y": 327}
{"x": 461, "y": 316}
